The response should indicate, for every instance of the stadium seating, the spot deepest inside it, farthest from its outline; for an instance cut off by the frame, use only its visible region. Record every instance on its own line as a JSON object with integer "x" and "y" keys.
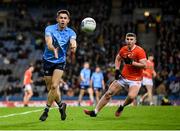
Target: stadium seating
{"x": 22, "y": 40}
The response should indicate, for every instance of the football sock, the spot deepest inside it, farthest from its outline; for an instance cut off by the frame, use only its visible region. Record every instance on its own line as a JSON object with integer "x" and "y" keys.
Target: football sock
{"x": 95, "y": 111}
{"x": 47, "y": 108}
{"x": 59, "y": 104}
{"x": 128, "y": 101}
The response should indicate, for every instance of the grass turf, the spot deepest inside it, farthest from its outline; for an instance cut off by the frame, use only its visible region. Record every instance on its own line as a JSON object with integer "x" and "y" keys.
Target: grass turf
{"x": 135, "y": 118}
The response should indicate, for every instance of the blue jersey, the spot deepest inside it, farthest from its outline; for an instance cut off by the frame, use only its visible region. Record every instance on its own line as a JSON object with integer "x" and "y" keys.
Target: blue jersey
{"x": 97, "y": 79}
{"x": 61, "y": 39}
{"x": 86, "y": 74}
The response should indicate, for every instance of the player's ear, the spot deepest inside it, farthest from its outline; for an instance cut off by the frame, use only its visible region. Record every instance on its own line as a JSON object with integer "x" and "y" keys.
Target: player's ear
{"x": 135, "y": 40}
{"x": 126, "y": 41}
{"x": 57, "y": 19}
{"x": 68, "y": 20}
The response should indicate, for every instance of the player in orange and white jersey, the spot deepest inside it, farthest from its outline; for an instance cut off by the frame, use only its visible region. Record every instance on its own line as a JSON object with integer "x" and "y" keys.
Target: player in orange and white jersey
{"x": 148, "y": 74}
{"x": 28, "y": 92}
{"x": 134, "y": 58}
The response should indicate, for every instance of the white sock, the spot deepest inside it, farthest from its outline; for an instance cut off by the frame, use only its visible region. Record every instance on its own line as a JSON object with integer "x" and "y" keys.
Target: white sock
{"x": 151, "y": 103}
{"x": 95, "y": 111}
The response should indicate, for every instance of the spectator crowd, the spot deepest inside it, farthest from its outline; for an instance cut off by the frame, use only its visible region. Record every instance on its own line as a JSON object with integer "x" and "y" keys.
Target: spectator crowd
{"x": 22, "y": 42}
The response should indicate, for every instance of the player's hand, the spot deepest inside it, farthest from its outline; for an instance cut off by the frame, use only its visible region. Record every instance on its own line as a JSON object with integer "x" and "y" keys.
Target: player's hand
{"x": 117, "y": 74}
{"x": 56, "y": 52}
{"x": 128, "y": 60}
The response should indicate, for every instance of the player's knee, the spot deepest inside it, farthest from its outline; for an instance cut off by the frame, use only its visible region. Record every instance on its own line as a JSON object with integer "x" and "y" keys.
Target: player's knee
{"x": 132, "y": 96}
{"x": 31, "y": 94}
{"x": 54, "y": 86}
{"x": 108, "y": 95}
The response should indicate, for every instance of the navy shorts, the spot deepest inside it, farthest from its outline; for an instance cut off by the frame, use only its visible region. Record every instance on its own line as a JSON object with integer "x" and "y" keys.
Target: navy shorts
{"x": 97, "y": 88}
{"x": 49, "y": 67}
{"x": 84, "y": 87}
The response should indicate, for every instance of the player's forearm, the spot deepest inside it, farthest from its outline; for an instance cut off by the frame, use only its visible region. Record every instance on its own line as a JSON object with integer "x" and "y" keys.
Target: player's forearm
{"x": 49, "y": 43}
{"x": 91, "y": 83}
{"x": 117, "y": 64}
{"x": 103, "y": 83}
{"x": 138, "y": 64}
{"x": 50, "y": 46}
{"x": 154, "y": 74}
{"x": 73, "y": 50}
{"x": 82, "y": 78}
{"x": 73, "y": 45}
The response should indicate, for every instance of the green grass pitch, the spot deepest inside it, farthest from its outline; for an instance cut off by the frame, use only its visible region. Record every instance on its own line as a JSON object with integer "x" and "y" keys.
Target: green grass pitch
{"x": 132, "y": 118}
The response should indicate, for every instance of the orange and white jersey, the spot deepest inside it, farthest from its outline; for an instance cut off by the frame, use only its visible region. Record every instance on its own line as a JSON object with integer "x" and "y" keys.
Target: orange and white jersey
{"x": 148, "y": 71}
{"x": 131, "y": 72}
{"x": 27, "y": 77}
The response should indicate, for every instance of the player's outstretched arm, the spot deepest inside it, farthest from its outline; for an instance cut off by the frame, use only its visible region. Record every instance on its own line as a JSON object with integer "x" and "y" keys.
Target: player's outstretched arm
{"x": 140, "y": 64}
{"x": 117, "y": 66}
{"x": 49, "y": 43}
{"x": 118, "y": 62}
{"x": 50, "y": 46}
{"x": 73, "y": 47}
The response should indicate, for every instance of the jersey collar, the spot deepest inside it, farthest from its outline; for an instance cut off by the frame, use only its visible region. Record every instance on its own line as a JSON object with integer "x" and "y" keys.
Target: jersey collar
{"x": 132, "y": 47}
{"x": 57, "y": 27}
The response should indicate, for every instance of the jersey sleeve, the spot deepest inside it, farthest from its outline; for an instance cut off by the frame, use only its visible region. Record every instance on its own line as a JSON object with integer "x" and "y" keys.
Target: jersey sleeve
{"x": 47, "y": 31}
{"x": 82, "y": 73}
{"x": 72, "y": 35}
{"x": 92, "y": 77}
{"x": 141, "y": 54}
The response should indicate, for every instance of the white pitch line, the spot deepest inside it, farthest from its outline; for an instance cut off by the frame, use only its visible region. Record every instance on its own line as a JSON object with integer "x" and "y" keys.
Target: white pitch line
{"x": 22, "y": 113}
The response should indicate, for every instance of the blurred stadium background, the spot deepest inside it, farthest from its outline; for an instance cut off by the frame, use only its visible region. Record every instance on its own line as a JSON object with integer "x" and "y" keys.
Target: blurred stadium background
{"x": 22, "y": 24}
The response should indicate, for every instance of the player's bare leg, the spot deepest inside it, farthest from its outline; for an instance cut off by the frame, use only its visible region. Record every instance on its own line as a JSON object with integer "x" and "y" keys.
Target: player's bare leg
{"x": 27, "y": 97}
{"x": 91, "y": 96}
{"x": 113, "y": 89}
{"x": 150, "y": 94}
{"x": 143, "y": 98}
{"x": 81, "y": 94}
{"x": 57, "y": 74}
{"x": 30, "y": 94}
{"x": 54, "y": 95}
{"x": 48, "y": 81}
{"x": 133, "y": 92}
{"x": 97, "y": 96}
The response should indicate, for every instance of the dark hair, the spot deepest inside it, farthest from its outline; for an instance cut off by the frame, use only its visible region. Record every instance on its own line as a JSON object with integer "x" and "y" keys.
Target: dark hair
{"x": 131, "y": 35}
{"x": 64, "y": 12}
{"x": 31, "y": 64}
{"x": 150, "y": 54}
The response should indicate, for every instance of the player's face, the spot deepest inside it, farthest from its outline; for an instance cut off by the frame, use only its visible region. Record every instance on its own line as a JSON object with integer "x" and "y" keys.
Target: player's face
{"x": 86, "y": 65}
{"x": 151, "y": 58}
{"x": 32, "y": 69}
{"x": 63, "y": 20}
{"x": 130, "y": 41}
{"x": 97, "y": 69}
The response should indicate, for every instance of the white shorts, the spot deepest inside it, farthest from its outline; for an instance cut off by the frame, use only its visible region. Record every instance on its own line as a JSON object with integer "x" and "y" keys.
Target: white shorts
{"x": 27, "y": 87}
{"x": 125, "y": 82}
{"x": 147, "y": 81}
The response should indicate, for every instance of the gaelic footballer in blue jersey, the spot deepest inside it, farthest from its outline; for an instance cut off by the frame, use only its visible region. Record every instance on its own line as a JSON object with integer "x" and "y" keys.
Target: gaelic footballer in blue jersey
{"x": 97, "y": 82}
{"x": 57, "y": 38}
{"x": 85, "y": 76}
